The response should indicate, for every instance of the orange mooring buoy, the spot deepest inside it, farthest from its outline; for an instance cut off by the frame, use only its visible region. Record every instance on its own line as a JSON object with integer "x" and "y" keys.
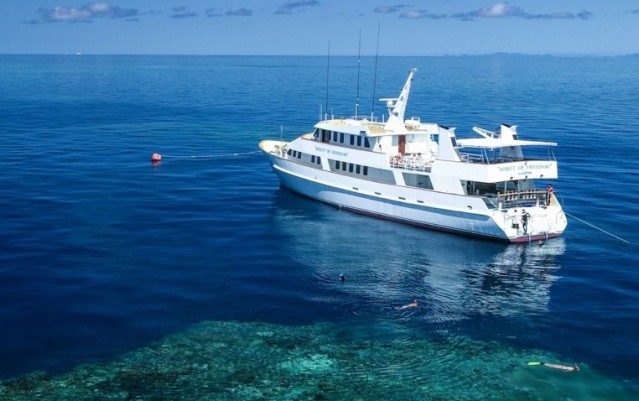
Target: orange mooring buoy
{"x": 156, "y": 158}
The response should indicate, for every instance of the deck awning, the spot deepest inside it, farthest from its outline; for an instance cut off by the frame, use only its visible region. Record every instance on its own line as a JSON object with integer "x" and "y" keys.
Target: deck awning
{"x": 496, "y": 143}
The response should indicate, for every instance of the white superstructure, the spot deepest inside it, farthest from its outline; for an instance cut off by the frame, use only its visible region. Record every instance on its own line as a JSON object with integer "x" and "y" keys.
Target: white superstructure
{"x": 421, "y": 174}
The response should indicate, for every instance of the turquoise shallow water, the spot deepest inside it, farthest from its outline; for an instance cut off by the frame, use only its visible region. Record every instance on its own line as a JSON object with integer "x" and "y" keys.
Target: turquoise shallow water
{"x": 256, "y": 361}
{"x": 122, "y": 279}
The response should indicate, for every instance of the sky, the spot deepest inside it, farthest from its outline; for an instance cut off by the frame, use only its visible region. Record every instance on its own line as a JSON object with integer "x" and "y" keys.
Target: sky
{"x": 311, "y": 27}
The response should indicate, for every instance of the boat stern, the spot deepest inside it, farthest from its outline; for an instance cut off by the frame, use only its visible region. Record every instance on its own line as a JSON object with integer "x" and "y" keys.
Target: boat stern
{"x": 532, "y": 223}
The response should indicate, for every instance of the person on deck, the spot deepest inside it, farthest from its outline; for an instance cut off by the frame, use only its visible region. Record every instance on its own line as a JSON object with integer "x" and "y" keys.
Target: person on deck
{"x": 524, "y": 220}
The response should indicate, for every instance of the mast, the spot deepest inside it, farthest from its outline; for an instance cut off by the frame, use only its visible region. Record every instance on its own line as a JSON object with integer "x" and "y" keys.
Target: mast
{"x": 397, "y": 106}
{"x": 379, "y": 27}
{"x": 328, "y": 68}
{"x": 359, "y": 61}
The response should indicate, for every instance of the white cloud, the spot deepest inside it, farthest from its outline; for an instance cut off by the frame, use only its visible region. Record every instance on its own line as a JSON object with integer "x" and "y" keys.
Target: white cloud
{"x": 389, "y": 9}
{"x": 503, "y": 10}
{"x": 240, "y": 12}
{"x": 183, "y": 12}
{"x": 500, "y": 10}
{"x": 420, "y": 14}
{"x": 86, "y": 13}
{"x": 291, "y": 6}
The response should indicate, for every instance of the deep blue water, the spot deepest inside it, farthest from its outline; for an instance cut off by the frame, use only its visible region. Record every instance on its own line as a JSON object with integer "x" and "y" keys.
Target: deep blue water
{"x": 101, "y": 252}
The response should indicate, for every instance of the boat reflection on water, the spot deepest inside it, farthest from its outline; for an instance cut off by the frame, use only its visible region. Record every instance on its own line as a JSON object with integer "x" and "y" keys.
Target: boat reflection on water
{"x": 387, "y": 265}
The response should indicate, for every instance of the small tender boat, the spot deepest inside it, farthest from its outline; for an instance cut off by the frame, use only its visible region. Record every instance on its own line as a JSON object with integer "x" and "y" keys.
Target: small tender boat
{"x": 422, "y": 174}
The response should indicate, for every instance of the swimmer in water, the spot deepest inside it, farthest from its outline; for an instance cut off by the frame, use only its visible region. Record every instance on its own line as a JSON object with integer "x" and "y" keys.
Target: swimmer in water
{"x": 574, "y": 368}
{"x": 567, "y": 368}
{"x": 413, "y": 304}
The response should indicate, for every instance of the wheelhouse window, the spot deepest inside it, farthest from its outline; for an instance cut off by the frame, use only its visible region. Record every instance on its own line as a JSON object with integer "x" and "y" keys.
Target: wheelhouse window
{"x": 326, "y": 136}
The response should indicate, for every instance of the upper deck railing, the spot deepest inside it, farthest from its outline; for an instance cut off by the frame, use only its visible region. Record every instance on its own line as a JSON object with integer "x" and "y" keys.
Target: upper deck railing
{"x": 411, "y": 162}
{"x": 512, "y": 199}
{"x": 482, "y": 159}
{"x": 485, "y": 157}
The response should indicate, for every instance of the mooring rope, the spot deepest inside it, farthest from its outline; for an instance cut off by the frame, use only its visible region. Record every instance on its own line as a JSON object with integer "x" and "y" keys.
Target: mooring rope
{"x": 210, "y": 156}
{"x": 597, "y": 228}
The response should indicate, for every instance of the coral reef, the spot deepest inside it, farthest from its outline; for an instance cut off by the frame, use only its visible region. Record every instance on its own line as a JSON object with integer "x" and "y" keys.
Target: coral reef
{"x": 256, "y": 361}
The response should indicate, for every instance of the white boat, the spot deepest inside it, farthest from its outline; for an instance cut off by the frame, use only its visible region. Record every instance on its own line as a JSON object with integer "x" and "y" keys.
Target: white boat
{"x": 422, "y": 174}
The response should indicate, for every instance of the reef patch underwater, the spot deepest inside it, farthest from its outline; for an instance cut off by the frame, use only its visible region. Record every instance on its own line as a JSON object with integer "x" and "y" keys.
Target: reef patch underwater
{"x": 255, "y": 361}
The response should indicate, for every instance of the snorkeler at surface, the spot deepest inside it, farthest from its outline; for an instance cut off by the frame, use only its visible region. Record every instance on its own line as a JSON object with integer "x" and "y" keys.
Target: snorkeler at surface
{"x": 574, "y": 368}
{"x": 413, "y": 304}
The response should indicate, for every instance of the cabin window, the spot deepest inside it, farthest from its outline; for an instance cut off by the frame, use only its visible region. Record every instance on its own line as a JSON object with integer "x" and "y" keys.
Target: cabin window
{"x": 357, "y": 169}
{"x": 313, "y": 159}
{"x": 352, "y": 139}
{"x": 299, "y": 155}
{"x": 350, "y": 167}
{"x": 359, "y": 141}
{"x": 326, "y": 137}
{"x": 365, "y": 170}
{"x": 334, "y": 136}
{"x": 337, "y": 164}
{"x": 318, "y": 160}
{"x": 343, "y": 166}
{"x": 341, "y": 137}
{"x": 418, "y": 181}
{"x": 367, "y": 144}
{"x": 290, "y": 151}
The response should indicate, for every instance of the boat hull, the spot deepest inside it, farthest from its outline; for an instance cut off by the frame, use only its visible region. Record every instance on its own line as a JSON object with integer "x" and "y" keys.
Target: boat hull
{"x": 349, "y": 193}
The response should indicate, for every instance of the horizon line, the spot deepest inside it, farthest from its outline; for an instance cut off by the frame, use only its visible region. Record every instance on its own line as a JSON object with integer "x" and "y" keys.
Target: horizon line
{"x": 324, "y": 55}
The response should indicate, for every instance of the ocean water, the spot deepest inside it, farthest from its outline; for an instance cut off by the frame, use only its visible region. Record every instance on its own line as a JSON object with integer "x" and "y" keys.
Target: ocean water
{"x": 200, "y": 278}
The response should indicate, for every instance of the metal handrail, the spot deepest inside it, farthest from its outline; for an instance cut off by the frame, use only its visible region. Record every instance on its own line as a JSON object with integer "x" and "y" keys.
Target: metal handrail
{"x": 524, "y": 198}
